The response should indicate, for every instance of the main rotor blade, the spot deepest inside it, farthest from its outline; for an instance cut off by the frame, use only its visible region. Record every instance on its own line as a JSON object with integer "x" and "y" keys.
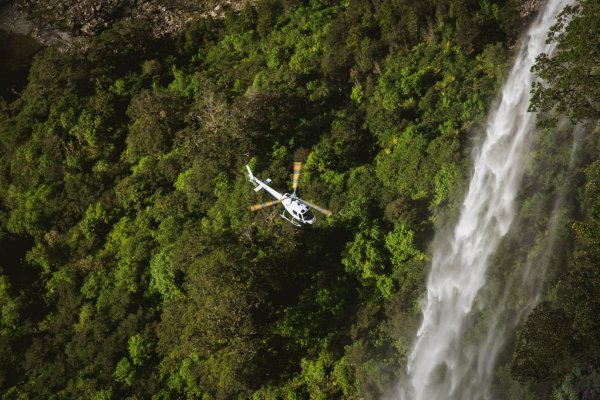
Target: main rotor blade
{"x": 264, "y": 205}
{"x": 323, "y": 210}
{"x": 296, "y": 176}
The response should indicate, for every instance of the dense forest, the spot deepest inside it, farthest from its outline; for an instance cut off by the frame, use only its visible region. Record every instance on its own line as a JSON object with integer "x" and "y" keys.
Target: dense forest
{"x": 133, "y": 268}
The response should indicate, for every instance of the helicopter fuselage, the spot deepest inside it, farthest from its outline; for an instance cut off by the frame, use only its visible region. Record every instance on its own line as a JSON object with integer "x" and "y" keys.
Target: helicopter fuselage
{"x": 297, "y": 209}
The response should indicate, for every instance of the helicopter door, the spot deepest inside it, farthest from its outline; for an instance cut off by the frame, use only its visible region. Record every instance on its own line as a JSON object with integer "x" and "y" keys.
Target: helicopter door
{"x": 301, "y": 216}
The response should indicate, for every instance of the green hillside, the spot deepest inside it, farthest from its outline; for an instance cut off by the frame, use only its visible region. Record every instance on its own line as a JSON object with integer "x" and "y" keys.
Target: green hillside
{"x": 133, "y": 267}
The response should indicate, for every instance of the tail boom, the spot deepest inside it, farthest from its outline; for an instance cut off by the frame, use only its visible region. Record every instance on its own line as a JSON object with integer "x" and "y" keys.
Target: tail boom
{"x": 263, "y": 185}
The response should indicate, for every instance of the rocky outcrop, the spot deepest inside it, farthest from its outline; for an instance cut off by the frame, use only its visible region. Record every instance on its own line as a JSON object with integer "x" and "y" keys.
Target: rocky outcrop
{"x": 68, "y": 22}
{"x": 13, "y": 20}
{"x": 88, "y": 17}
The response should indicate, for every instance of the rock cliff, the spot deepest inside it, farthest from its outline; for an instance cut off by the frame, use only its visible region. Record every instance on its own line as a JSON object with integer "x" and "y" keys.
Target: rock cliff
{"x": 68, "y": 22}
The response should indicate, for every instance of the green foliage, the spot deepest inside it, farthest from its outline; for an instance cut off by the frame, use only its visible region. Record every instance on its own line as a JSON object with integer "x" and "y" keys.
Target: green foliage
{"x": 572, "y": 82}
{"x": 399, "y": 166}
{"x": 155, "y": 116}
{"x": 139, "y": 349}
{"x": 400, "y": 243}
{"x": 9, "y": 314}
{"x": 163, "y": 276}
{"x": 366, "y": 257}
{"x": 124, "y": 372}
{"x": 541, "y": 349}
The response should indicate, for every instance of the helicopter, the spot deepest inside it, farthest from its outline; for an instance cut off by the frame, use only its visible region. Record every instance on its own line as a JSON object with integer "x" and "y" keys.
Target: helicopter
{"x": 299, "y": 210}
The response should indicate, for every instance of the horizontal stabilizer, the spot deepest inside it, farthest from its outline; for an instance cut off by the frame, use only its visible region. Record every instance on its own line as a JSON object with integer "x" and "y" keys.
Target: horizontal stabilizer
{"x": 266, "y": 182}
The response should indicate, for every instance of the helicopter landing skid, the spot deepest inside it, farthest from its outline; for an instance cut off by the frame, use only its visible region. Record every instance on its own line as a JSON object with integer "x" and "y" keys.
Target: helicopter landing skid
{"x": 290, "y": 220}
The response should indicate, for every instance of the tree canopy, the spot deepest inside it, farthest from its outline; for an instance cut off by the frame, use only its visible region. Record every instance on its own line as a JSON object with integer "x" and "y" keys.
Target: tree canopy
{"x": 133, "y": 267}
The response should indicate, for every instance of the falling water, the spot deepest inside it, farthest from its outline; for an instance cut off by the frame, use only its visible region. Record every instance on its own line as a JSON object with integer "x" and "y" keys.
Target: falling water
{"x": 524, "y": 287}
{"x": 439, "y": 367}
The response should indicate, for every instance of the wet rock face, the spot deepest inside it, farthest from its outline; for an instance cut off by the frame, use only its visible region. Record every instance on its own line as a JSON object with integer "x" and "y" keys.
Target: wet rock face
{"x": 528, "y": 8}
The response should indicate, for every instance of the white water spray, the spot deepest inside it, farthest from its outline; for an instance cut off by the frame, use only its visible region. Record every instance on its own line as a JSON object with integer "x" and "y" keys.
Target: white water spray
{"x": 438, "y": 366}
{"x": 523, "y": 289}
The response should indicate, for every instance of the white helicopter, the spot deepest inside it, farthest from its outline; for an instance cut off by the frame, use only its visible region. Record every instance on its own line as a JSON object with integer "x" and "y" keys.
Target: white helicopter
{"x": 298, "y": 209}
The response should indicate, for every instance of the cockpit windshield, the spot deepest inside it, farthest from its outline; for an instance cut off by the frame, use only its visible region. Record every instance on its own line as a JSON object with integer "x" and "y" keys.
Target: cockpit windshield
{"x": 308, "y": 215}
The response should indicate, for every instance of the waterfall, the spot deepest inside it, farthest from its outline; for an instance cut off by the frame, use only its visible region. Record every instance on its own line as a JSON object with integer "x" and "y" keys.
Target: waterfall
{"x": 440, "y": 366}
{"x": 525, "y": 284}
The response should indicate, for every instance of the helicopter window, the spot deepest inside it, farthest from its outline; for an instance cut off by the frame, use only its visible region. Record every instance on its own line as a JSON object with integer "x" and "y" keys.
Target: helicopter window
{"x": 308, "y": 215}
